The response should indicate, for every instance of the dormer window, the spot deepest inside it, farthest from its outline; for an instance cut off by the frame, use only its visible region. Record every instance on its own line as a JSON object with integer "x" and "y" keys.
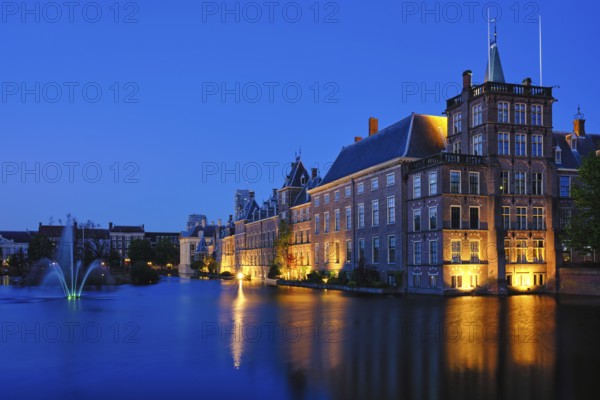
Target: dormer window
{"x": 302, "y": 180}
{"x": 558, "y": 156}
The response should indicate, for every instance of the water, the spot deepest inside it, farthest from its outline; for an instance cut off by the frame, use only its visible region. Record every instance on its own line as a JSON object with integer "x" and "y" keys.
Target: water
{"x": 179, "y": 337}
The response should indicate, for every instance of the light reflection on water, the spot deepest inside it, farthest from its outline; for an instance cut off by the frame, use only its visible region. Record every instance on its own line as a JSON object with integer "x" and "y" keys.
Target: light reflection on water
{"x": 233, "y": 338}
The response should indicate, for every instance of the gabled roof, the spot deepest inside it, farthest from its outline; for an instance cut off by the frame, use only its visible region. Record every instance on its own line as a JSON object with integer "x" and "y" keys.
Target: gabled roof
{"x": 203, "y": 231}
{"x": 416, "y": 136}
{"x": 304, "y": 197}
{"x": 298, "y": 175}
{"x": 17, "y": 236}
{"x": 570, "y": 158}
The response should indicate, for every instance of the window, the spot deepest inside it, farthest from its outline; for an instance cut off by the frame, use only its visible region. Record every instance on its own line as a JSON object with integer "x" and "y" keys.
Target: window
{"x": 433, "y": 279}
{"x": 455, "y": 248}
{"x": 457, "y": 122}
{"x": 391, "y": 249}
{"x": 474, "y": 217}
{"x": 520, "y": 144}
{"x": 477, "y": 145}
{"x": 348, "y": 251}
{"x": 284, "y": 198}
{"x": 538, "y": 218}
{"x": 336, "y": 195}
{"x": 416, "y": 220}
{"x": 455, "y": 217}
{"x": 326, "y": 253}
{"x": 417, "y": 253}
{"x": 520, "y": 115}
{"x": 375, "y": 250}
{"x": 317, "y": 252}
{"x": 433, "y": 252}
{"x": 347, "y": 191}
{"x": 456, "y": 281}
{"x": 558, "y": 155}
{"x": 317, "y": 224}
{"x": 565, "y": 218}
{"x": 317, "y": 201}
{"x": 375, "y": 212}
{"x": 519, "y": 182}
{"x": 474, "y": 250}
{"x": 521, "y": 218}
{"x": 361, "y": 249}
{"x": 456, "y": 149}
{"x": 326, "y": 222}
{"x": 536, "y": 183}
{"x": 348, "y": 218}
{"x": 337, "y": 252}
{"x": 565, "y": 186}
{"x": 536, "y": 115}
{"x": 506, "y": 217}
{"x": 504, "y": 182}
{"x": 360, "y": 188}
{"x": 454, "y": 181}
{"x": 417, "y": 280}
{"x": 433, "y": 183}
{"x": 390, "y": 179}
{"x": 374, "y": 184}
{"x": 537, "y": 142}
{"x": 474, "y": 280}
{"x": 473, "y": 182}
{"x": 521, "y": 250}
{"x": 391, "y": 210}
{"x": 432, "y": 218}
{"x": 509, "y": 280}
{"x": 503, "y": 144}
{"x": 503, "y": 112}
{"x": 538, "y": 250}
{"x": 361, "y": 215}
{"x": 477, "y": 115}
{"x": 337, "y": 220}
{"x": 507, "y": 251}
{"x": 416, "y": 186}
{"x": 326, "y": 198}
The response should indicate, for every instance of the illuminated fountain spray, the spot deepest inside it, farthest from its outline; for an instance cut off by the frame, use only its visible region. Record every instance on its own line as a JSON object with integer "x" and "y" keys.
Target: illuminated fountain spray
{"x": 66, "y": 270}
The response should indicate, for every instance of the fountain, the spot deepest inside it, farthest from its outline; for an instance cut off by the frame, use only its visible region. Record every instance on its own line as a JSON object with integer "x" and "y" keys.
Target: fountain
{"x": 66, "y": 269}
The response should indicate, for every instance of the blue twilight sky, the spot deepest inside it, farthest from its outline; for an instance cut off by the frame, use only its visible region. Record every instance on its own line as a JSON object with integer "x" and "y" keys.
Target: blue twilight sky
{"x": 164, "y": 139}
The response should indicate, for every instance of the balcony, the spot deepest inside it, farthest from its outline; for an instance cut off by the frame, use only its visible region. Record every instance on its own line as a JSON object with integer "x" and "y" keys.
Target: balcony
{"x": 446, "y": 158}
{"x": 503, "y": 88}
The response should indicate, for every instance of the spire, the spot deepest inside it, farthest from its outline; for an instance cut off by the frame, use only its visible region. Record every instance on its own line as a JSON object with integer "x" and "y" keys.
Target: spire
{"x": 493, "y": 71}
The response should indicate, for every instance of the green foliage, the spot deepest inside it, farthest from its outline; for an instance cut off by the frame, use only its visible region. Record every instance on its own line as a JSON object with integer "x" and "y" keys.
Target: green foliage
{"x": 283, "y": 242}
{"x": 226, "y": 274}
{"x": 365, "y": 276}
{"x": 196, "y": 265}
{"x": 166, "y": 253}
{"x": 142, "y": 274}
{"x": 140, "y": 251}
{"x": 274, "y": 271}
{"x": 114, "y": 260}
{"x": 40, "y": 247}
{"x": 17, "y": 263}
{"x": 583, "y": 234}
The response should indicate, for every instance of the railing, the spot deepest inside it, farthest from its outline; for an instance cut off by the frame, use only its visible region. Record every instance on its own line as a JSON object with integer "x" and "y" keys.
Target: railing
{"x": 450, "y": 158}
{"x": 503, "y": 88}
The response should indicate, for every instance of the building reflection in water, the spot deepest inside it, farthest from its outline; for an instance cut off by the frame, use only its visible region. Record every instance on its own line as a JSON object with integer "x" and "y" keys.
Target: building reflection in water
{"x": 237, "y": 316}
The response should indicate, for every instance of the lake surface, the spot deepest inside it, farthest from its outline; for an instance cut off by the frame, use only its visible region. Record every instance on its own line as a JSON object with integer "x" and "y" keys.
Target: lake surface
{"x": 223, "y": 339}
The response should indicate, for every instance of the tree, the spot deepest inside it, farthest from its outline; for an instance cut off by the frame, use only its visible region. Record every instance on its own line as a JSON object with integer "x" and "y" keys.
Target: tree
{"x": 283, "y": 242}
{"x": 166, "y": 253}
{"x": 140, "y": 250}
{"x": 583, "y": 233}
{"x": 142, "y": 274}
{"x": 40, "y": 247}
{"x": 114, "y": 259}
{"x": 17, "y": 263}
{"x": 95, "y": 244}
{"x": 210, "y": 265}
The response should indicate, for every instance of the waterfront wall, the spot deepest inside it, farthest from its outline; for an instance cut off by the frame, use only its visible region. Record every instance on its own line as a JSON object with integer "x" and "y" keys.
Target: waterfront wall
{"x": 583, "y": 281}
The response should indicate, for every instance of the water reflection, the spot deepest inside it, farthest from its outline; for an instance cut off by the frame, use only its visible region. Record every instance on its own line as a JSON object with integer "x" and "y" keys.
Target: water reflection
{"x": 237, "y": 342}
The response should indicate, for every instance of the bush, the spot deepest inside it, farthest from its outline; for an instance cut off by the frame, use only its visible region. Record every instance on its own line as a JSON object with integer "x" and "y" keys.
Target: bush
{"x": 143, "y": 274}
{"x": 364, "y": 276}
{"x": 226, "y": 274}
{"x": 274, "y": 271}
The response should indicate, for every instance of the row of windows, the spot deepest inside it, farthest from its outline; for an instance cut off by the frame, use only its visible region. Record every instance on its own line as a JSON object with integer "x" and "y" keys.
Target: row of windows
{"x": 518, "y": 185}
{"x": 504, "y": 115}
{"x": 457, "y": 281}
{"x": 331, "y": 254}
{"x": 418, "y": 252}
{"x": 300, "y": 215}
{"x": 518, "y": 251}
{"x": 375, "y": 216}
{"x": 520, "y": 222}
{"x": 390, "y": 180}
{"x": 537, "y": 145}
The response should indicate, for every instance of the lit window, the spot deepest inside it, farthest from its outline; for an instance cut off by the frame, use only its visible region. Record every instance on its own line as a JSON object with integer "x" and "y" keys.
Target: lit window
{"x": 455, "y": 248}
{"x": 504, "y": 182}
{"x": 474, "y": 250}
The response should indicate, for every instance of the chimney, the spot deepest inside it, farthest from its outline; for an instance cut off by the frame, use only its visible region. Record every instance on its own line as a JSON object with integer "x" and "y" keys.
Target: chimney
{"x": 527, "y": 81}
{"x": 230, "y": 217}
{"x": 373, "y": 126}
{"x": 219, "y": 222}
{"x": 110, "y": 226}
{"x": 579, "y": 123}
{"x": 314, "y": 172}
{"x": 357, "y": 139}
{"x": 467, "y": 79}
{"x": 251, "y": 194}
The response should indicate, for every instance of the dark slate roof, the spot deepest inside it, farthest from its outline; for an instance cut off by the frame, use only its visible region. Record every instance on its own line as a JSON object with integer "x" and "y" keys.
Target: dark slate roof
{"x": 416, "y": 136}
{"x": 585, "y": 145}
{"x": 303, "y": 197}
{"x": 127, "y": 229}
{"x": 209, "y": 231}
{"x": 294, "y": 178}
{"x": 93, "y": 233}
{"x": 153, "y": 236}
{"x": 17, "y": 236}
{"x": 497, "y": 74}
{"x": 51, "y": 231}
